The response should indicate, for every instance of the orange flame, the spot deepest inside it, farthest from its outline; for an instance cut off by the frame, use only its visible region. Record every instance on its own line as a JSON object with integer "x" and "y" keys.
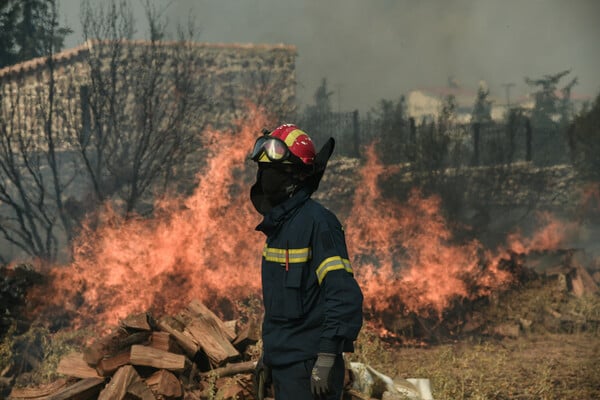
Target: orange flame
{"x": 404, "y": 256}
{"x": 205, "y": 250}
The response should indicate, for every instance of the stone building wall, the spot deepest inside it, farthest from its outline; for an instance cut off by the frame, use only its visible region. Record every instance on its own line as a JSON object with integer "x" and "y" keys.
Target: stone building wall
{"x": 229, "y": 75}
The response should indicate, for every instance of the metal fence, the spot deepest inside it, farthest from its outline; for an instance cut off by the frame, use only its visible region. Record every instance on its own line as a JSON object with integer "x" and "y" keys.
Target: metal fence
{"x": 466, "y": 144}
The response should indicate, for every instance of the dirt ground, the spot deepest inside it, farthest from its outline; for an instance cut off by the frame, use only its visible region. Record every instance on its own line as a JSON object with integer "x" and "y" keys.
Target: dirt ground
{"x": 532, "y": 366}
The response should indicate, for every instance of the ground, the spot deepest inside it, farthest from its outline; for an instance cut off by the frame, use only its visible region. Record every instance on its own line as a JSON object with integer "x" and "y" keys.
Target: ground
{"x": 537, "y": 366}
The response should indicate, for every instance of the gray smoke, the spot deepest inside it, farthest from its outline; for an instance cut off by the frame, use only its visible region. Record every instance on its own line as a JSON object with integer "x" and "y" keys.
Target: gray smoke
{"x": 369, "y": 50}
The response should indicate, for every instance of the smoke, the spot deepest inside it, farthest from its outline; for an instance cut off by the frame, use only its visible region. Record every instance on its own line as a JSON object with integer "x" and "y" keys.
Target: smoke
{"x": 384, "y": 48}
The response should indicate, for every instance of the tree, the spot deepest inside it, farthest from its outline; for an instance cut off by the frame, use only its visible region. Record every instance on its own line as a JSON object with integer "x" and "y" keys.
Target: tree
{"x": 318, "y": 119}
{"x": 547, "y": 118}
{"x": 482, "y": 109}
{"x": 29, "y": 29}
{"x": 546, "y": 100}
{"x": 138, "y": 129}
{"x": 392, "y": 125}
{"x": 126, "y": 136}
{"x": 32, "y": 173}
{"x": 584, "y": 139}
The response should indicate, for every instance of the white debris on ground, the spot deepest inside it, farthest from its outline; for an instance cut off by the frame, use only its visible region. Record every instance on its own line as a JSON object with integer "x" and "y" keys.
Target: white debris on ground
{"x": 377, "y": 385}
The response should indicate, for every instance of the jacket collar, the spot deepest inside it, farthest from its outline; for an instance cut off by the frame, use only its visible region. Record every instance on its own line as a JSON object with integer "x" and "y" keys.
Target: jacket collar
{"x": 281, "y": 212}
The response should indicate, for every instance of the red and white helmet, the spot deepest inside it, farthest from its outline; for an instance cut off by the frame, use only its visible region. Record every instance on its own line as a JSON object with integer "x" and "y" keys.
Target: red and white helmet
{"x": 286, "y": 144}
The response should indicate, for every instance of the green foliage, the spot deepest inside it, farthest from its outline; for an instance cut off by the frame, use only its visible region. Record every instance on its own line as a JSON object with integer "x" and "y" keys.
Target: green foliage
{"x": 39, "y": 344}
{"x": 29, "y": 29}
{"x": 393, "y": 145}
{"x": 584, "y": 137}
{"x": 482, "y": 109}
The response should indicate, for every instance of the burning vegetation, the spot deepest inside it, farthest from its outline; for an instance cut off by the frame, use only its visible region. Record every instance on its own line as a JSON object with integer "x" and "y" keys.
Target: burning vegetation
{"x": 144, "y": 299}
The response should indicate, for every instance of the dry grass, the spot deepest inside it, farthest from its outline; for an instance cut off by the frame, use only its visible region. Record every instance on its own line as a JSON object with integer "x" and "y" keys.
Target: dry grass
{"x": 539, "y": 366}
{"x": 556, "y": 357}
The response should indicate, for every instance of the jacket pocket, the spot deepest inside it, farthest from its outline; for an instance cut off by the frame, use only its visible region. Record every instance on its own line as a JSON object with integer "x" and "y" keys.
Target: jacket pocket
{"x": 287, "y": 304}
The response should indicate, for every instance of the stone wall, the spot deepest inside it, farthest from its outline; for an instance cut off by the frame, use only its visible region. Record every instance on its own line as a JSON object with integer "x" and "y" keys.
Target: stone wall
{"x": 229, "y": 76}
{"x": 518, "y": 187}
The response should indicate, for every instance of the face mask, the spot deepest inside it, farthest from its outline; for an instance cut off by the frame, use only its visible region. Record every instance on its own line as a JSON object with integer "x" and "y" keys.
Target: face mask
{"x": 276, "y": 184}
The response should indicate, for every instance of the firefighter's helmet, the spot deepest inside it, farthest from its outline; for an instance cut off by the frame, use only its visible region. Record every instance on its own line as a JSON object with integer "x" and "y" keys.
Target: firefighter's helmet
{"x": 286, "y": 144}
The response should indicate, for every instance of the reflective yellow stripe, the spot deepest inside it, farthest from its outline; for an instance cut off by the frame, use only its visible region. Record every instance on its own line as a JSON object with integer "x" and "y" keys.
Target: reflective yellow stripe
{"x": 292, "y": 136}
{"x": 331, "y": 264}
{"x": 294, "y": 255}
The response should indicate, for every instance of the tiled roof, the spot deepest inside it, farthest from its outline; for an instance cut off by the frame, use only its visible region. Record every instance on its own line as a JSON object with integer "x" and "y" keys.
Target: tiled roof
{"x": 70, "y": 54}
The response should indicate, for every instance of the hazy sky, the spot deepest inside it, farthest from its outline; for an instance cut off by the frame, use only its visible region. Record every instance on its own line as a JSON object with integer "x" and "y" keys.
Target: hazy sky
{"x": 374, "y": 49}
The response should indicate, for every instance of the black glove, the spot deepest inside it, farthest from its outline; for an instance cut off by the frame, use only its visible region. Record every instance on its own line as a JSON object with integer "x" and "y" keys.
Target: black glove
{"x": 319, "y": 378}
{"x": 262, "y": 379}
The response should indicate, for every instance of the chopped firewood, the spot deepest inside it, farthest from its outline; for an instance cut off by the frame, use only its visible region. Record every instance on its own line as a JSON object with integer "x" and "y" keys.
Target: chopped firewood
{"x": 212, "y": 339}
{"x": 117, "y": 387}
{"x": 84, "y": 389}
{"x": 230, "y": 389}
{"x": 40, "y": 391}
{"x": 164, "y": 341}
{"x": 231, "y": 369}
{"x": 189, "y": 346}
{"x": 151, "y": 357}
{"x": 231, "y": 327}
{"x": 166, "y": 384}
{"x": 249, "y": 334}
{"x": 107, "y": 366}
{"x": 74, "y": 365}
{"x": 139, "y": 390}
{"x": 200, "y": 310}
{"x": 136, "y": 321}
{"x": 112, "y": 344}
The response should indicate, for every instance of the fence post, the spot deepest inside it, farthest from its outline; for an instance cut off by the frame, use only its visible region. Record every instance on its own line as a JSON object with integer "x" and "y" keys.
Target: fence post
{"x": 528, "y": 139}
{"x": 356, "y": 133}
{"x": 412, "y": 140}
{"x": 476, "y": 132}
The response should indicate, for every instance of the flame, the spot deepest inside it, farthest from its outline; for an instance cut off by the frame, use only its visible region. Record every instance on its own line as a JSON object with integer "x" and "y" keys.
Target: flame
{"x": 206, "y": 249}
{"x": 407, "y": 260}
{"x": 404, "y": 255}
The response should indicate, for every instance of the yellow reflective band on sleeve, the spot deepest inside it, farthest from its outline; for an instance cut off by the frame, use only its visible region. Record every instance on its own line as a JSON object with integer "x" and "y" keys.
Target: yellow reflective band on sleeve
{"x": 294, "y": 255}
{"x": 331, "y": 264}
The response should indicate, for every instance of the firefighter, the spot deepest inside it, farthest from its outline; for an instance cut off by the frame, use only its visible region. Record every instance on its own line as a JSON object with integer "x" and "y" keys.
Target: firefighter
{"x": 313, "y": 304}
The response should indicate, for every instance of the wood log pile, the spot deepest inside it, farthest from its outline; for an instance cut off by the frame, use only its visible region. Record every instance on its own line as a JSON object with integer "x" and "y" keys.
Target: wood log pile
{"x": 193, "y": 355}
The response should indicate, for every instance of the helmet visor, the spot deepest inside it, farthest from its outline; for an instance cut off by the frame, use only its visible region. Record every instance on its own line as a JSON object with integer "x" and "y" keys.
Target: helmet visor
{"x": 274, "y": 148}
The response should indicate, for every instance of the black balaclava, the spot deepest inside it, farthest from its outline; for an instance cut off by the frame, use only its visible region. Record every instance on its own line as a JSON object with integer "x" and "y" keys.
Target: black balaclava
{"x": 274, "y": 184}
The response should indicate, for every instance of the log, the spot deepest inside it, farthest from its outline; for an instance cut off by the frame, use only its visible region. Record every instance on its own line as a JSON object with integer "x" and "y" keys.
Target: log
{"x": 84, "y": 389}
{"x": 189, "y": 346}
{"x": 200, "y": 310}
{"x": 74, "y": 365}
{"x": 229, "y": 388}
{"x": 212, "y": 340}
{"x": 231, "y": 369}
{"x": 164, "y": 341}
{"x": 231, "y": 327}
{"x": 40, "y": 391}
{"x": 112, "y": 344}
{"x": 136, "y": 321}
{"x": 249, "y": 334}
{"x": 151, "y": 357}
{"x": 107, "y": 366}
{"x": 139, "y": 390}
{"x": 165, "y": 384}
{"x": 117, "y": 387}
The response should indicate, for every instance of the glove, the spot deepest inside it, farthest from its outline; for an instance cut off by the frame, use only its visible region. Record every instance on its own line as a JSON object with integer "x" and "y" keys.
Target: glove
{"x": 319, "y": 378}
{"x": 261, "y": 379}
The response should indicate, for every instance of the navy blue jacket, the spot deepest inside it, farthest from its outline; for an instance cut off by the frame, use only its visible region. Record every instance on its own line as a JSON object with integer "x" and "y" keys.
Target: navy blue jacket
{"x": 312, "y": 302}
